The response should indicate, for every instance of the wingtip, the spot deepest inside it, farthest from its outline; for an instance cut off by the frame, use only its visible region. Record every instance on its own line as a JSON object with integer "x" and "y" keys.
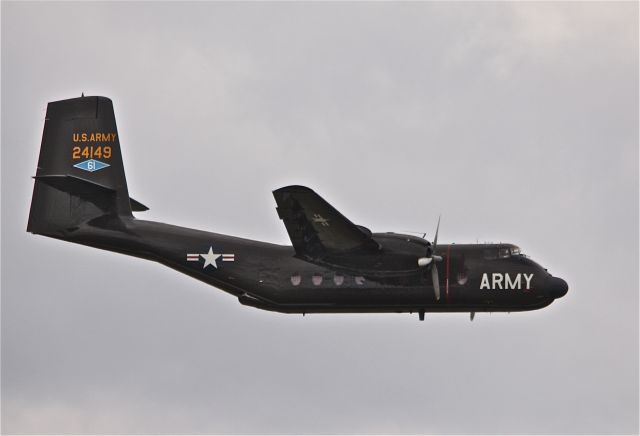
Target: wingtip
{"x": 292, "y": 188}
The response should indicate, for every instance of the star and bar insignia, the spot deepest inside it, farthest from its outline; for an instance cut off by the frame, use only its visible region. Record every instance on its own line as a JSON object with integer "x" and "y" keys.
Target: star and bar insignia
{"x": 210, "y": 258}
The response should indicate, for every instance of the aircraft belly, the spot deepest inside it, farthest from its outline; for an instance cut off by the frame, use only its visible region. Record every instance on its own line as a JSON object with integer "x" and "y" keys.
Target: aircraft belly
{"x": 391, "y": 307}
{"x": 402, "y": 299}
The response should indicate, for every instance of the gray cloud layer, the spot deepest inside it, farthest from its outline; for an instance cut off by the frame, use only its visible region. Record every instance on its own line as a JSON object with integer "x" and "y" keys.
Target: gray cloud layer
{"x": 517, "y": 122}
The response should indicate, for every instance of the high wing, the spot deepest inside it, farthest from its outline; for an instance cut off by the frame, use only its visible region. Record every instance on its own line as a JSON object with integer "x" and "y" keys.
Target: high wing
{"x": 315, "y": 227}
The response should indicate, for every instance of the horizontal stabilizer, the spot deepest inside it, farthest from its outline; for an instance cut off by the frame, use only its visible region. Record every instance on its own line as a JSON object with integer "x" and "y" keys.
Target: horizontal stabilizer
{"x": 73, "y": 184}
{"x": 84, "y": 188}
{"x": 136, "y": 206}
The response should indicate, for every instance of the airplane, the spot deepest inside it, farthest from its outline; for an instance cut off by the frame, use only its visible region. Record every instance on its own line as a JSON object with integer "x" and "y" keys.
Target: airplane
{"x": 80, "y": 195}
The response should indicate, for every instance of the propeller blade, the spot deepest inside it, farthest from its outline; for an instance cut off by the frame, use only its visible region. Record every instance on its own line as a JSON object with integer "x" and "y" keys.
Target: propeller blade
{"x": 435, "y": 239}
{"x": 435, "y": 280}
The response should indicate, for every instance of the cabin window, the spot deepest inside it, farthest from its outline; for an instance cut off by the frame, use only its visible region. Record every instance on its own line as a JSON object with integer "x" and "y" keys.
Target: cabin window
{"x": 503, "y": 253}
{"x": 296, "y": 279}
{"x": 338, "y": 279}
{"x": 359, "y": 280}
{"x": 462, "y": 278}
{"x": 316, "y": 279}
{"x": 515, "y": 251}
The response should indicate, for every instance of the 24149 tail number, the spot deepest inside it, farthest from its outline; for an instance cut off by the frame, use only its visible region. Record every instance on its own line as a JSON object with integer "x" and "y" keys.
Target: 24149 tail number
{"x": 91, "y": 152}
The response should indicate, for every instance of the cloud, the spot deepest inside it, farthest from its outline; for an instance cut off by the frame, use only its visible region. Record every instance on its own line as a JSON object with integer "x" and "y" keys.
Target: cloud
{"x": 516, "y": 121}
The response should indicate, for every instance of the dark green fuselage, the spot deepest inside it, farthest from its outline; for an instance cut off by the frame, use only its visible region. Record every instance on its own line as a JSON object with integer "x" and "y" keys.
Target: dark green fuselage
{"x": 263, "y": 275}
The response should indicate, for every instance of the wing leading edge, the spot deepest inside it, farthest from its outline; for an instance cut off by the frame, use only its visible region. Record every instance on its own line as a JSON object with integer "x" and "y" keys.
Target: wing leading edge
{"x": 315, "y": 227}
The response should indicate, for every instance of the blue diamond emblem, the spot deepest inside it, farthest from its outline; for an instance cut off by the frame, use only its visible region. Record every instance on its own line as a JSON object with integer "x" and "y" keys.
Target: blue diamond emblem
{"x": 91, "y": 165}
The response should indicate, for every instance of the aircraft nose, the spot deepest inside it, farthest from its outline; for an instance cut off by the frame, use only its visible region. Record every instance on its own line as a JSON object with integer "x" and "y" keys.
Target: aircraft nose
{"x": 558, "y": 287}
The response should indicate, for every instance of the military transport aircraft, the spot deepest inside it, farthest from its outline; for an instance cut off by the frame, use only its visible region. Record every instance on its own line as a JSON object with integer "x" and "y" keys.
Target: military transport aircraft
{"x": 80, "y": 195}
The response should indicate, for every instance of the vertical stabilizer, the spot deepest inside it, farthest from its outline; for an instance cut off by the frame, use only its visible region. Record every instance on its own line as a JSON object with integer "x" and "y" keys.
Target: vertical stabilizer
{"x": 80, "y": 174}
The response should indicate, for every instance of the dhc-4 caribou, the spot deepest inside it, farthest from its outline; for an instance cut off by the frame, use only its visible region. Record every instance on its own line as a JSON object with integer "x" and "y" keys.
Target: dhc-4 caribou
{"x": 333, "y": 266}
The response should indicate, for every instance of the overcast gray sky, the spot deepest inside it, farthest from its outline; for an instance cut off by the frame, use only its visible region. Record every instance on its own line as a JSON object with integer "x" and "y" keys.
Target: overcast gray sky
{"x": 517, "y": 122}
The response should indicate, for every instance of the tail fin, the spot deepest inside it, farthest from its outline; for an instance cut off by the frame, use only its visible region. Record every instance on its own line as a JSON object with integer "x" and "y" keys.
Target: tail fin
{"x": 80, "y": 174}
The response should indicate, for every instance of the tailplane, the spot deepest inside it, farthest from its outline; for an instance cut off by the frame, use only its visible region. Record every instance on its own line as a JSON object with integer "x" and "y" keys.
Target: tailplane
{"x": 80, "y": 175}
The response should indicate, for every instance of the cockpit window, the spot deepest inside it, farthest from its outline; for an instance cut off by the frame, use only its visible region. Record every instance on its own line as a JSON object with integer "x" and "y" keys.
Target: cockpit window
{"x": 501, "y": 252}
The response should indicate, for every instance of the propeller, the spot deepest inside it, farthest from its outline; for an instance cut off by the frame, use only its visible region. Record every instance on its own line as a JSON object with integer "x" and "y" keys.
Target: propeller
{"x": 432, "y": 259}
